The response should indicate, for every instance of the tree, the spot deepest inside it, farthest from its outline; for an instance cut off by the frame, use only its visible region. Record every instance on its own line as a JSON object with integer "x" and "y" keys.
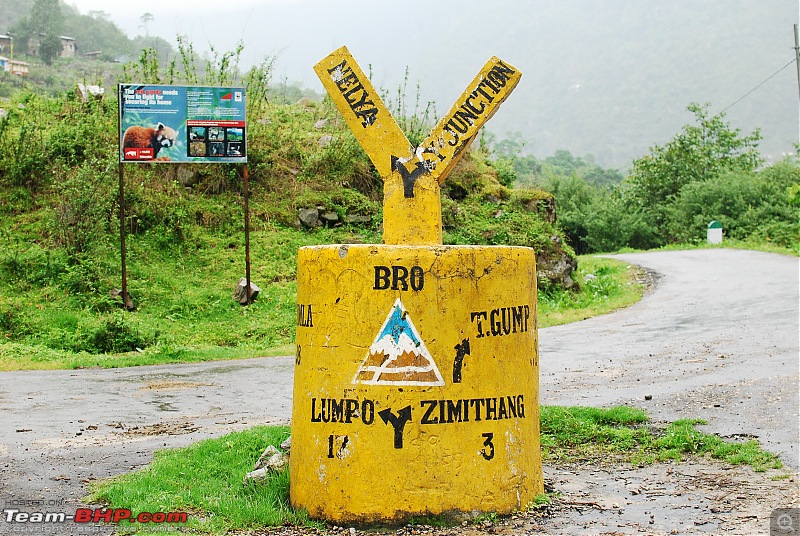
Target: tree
{"x": 50, "y": 47}
{"x": 45, "y": 24}
{"x": 146, "y": 18}
{"x": 699, "y": 152}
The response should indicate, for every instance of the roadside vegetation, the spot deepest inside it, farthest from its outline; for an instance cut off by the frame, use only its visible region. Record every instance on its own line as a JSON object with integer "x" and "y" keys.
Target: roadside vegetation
{"x": 206, "y": 479}
{"x": 59, "y": 250}
{"x": 59, "y": 225}
{"x": 708, "y": 172}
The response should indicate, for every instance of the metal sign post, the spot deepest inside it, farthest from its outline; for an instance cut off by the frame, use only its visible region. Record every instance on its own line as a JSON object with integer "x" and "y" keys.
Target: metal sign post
{"x": 126, "y": 297}
{"x": 248, "y": 288}
{"x": 180, "y": 124}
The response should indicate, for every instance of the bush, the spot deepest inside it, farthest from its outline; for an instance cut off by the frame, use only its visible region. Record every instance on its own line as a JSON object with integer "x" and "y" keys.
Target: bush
{"x": 746, "y": 204}
{"x": 116, "y": 335}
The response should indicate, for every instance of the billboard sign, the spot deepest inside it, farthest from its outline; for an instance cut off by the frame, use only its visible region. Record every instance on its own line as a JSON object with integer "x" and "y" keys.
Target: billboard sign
{"x": 182, "y": 124}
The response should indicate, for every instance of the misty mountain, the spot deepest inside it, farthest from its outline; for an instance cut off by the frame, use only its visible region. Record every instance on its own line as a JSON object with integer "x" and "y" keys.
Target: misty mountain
{"x": 609, "y": 78}
{"x": 613, "y": 77}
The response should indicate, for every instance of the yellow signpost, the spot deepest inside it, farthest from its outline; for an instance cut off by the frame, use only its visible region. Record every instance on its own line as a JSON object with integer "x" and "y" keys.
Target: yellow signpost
{"x": 417, "y": 377}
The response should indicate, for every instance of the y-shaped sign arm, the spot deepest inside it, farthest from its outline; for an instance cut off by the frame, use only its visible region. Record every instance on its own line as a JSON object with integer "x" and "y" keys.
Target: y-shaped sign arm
{"x": 412, "y": 212}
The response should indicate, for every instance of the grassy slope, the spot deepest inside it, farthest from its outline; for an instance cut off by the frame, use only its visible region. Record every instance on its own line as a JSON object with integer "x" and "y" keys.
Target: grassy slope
{"x": 59, "y": 233}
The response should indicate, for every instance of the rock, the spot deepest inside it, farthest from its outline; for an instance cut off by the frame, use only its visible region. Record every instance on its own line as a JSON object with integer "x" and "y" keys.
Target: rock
{"x": 186, "y": 176}
{"x": 305, "y": 102}
{"x": 325, "y": 140}
{"x": 271, "y": 461}
{"x": 268, "y": 454}
{"x": 309, "y": 217}
{"x": 554, "y": 268}
{"x": 589, "y": 277}
{"x": 544, "y": 206}
{"x": 239, "y": 293}
{"x": 89, "y": 91}
{"x": 3, "y": 113}
{"x": 321, "y": 123}
{"x": 329, "y": 217}
{"x": 357, "y": 218}
{"x": 258, "y": 475}
{"x": 286, "y": 446}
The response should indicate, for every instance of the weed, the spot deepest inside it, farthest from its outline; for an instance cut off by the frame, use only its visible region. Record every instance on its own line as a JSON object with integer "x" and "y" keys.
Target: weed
{"x": 415, "y": 122}
{"x": 486, "y": 517}
{"x": 116, "y": 335}
{"x": 592, "y": 433}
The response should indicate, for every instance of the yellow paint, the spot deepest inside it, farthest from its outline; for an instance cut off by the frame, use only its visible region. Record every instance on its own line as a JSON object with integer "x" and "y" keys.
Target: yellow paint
{"x": 416, "y": 219}
{"x": 446, "y": 296}
{"x": 363, "y": 110}
{"x": 451, "y": 136}
{"x": 412, "y": 221}
{"x": 416, "y": 387}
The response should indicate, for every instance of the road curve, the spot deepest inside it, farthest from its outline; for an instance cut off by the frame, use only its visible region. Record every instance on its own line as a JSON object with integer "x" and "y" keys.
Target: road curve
{"x": 716, "y": 339}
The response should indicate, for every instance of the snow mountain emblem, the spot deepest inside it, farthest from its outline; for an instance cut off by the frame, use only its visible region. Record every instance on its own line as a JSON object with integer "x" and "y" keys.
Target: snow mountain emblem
{"x": 398, "y": 356}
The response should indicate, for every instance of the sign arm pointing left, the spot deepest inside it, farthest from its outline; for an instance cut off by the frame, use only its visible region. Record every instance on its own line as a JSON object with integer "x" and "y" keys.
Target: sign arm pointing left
{"x": 362, "y": 108}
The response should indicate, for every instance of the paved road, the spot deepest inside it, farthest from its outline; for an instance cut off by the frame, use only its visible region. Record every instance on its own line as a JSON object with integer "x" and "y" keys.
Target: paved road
{"x": 716, "y": 339}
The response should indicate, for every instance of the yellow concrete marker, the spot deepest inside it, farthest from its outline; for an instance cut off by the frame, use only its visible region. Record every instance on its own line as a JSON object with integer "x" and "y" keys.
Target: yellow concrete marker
{"x": 416, "y": 384}
{"x": 412, "y": 202}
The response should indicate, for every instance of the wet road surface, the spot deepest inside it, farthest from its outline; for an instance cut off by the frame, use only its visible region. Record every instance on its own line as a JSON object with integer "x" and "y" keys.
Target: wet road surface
{"x": 716, "y": 339}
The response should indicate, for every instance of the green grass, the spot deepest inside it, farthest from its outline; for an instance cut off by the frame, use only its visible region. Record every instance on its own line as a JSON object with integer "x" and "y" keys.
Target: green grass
{"x": 57, "y": 314}
{"x": 583, "y": 433}
{"x": 205, "y": 479}
{"x": 605, "y": 286}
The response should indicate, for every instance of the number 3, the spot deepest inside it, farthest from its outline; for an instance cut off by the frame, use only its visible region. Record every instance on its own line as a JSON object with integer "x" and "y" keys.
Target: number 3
{"x": 488, "y": 452}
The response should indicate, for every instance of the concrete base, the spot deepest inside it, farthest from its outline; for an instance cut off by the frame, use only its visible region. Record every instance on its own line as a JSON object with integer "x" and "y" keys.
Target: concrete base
{"x": 416, "y": 382}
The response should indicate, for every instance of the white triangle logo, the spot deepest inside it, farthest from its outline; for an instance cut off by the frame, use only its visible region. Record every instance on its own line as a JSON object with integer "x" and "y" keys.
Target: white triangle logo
{"x": 398, "y": 356}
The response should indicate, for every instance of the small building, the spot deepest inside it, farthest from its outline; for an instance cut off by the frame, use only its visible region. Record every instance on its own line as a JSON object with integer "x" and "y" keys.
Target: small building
{"x": 68, "y": 46}
{"x": 95, "y": 55}
{"x": 19, "y": 68}
{"x": 6, "y": 44}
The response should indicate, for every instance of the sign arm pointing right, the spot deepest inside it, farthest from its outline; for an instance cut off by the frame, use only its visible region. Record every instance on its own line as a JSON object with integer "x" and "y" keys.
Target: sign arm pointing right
{"x": 412, "y": 211}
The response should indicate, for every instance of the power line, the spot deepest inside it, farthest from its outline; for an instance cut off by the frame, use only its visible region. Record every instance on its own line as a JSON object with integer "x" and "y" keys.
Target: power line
{"x": 770, "y": 77}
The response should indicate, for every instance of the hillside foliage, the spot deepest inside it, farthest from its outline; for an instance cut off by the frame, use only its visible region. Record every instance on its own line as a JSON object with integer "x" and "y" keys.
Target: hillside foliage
{"x": 60, "y": 234}
{"x": 708, "y": 172}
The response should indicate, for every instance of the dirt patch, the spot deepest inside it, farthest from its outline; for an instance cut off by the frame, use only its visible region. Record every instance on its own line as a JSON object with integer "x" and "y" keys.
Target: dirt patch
{"x": 162, "y": 428}
{"x": 645, "y": 277}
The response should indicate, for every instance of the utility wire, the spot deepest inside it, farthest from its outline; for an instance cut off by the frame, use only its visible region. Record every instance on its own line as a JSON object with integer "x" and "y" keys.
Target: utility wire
{"x": 770, "y": 77}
